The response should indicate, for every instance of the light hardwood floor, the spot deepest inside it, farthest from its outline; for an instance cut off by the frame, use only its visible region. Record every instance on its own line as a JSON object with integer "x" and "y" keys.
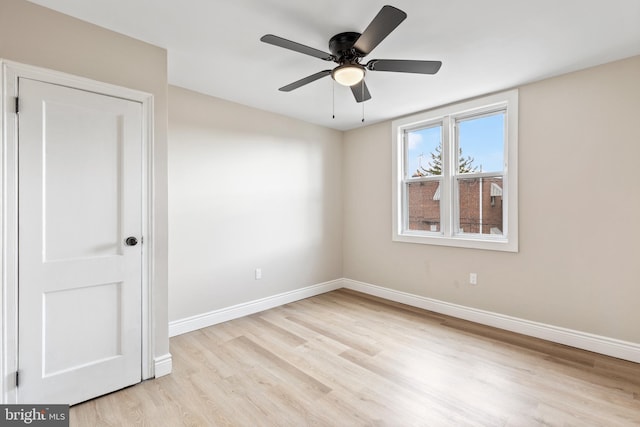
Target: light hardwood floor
{"x": 347, "y": 359}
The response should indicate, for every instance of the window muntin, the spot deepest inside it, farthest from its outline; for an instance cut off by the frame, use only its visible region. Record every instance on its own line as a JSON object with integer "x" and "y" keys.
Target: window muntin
{"x": 456, "y": 170}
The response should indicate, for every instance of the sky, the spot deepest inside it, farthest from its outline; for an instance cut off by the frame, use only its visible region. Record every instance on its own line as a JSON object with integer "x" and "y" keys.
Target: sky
{"x": 481, "y": 138}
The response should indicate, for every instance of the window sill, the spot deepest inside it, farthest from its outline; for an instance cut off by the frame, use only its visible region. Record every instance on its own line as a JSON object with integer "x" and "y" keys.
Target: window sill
{"x": 486, "y": 243}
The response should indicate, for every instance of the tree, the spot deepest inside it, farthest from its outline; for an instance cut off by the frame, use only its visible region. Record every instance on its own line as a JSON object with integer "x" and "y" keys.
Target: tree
{"x": 434, "y": 167}
{"x": 435, "y": 164}
{"x": 465, "y": 165}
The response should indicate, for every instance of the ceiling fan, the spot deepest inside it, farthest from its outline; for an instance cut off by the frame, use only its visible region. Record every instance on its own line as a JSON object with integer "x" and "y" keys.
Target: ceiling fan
{"x": 348, "y": 49}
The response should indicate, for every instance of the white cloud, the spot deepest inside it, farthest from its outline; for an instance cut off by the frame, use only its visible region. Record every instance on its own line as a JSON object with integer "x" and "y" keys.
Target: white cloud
{"x": 414, "y": 139}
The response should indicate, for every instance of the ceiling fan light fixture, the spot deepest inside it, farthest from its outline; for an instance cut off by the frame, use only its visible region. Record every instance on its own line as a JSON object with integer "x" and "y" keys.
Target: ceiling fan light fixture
{"x": 348, "y": 74}
{"x": 349, "y": 48}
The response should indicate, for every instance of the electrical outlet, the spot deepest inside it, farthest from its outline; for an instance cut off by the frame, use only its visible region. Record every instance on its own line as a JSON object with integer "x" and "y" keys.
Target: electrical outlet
{"x": 258, "y": 273}
{"x": 473, "y": 278}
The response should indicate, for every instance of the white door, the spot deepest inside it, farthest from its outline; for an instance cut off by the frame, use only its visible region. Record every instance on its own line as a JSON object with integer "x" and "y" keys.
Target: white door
{"x": 79, "y": 284}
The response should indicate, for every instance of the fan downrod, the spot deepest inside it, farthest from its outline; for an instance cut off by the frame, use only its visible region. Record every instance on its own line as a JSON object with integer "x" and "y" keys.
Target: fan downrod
{"x": 341, "y": 46}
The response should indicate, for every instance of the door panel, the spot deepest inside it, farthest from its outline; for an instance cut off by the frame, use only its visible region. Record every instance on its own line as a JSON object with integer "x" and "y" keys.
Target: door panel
{"x": 95, "y": 228}
{"x": 99, "y": 308}
{"x": 80, "y": 196}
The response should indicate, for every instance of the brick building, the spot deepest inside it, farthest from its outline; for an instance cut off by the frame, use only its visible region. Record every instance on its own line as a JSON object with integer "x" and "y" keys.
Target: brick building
{"x": 480, "y": 205}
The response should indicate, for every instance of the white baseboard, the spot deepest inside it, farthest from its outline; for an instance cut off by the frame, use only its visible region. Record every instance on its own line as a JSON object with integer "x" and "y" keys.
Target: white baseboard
{"x": 193, "y": 323}
{"x": 596, "y": 343}
{"x": 162, "y": 365}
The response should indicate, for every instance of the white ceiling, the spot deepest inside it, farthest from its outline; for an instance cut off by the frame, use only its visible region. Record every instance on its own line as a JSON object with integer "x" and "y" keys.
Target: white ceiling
{"x": 485, "y": 46}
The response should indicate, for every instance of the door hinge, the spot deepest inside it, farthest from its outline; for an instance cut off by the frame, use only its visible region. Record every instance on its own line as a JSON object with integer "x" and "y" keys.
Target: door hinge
{"x": 17, "y": 378}
{"x": 17, "y": 105}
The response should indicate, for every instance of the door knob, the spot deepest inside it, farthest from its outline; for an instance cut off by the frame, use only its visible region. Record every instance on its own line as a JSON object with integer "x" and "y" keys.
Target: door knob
{"x": 131, "y": 241}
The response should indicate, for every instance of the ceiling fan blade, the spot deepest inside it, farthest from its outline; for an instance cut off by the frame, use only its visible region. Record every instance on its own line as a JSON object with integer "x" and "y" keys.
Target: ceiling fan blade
{"x": 361, "y": 92}
{"x": 306, "y": 80}
{"x": 404, "y": 66}
{"x": 297, "y": 47}
{"x": 385, "y": 21}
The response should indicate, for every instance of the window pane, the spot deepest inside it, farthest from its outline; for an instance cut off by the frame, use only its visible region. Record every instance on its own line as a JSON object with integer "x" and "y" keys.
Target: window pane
{"x": 423, "y": 203}
{"x": 481, "y": 144}
{"x": 424, "y": 152}
{"x": 480, "y": 205}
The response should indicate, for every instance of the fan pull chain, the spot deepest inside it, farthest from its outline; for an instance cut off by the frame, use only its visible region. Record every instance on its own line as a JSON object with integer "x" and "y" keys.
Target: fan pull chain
{"x": 362, "y": 91}
{"x": 333, "y": 98}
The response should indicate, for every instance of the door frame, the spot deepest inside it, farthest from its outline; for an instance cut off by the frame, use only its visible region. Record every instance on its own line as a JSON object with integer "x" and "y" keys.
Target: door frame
{"x": 10, "y": 72}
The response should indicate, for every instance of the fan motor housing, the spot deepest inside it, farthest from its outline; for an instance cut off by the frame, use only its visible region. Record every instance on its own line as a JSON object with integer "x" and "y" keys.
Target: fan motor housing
{"x": 341, "y": 46}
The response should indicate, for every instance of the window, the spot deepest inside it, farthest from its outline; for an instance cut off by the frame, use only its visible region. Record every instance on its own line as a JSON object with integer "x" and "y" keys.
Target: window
{"x": 455, "y": 172}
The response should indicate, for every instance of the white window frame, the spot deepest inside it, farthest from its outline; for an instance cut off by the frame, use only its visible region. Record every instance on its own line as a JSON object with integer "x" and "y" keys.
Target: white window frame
{"x": 447, "y": 116}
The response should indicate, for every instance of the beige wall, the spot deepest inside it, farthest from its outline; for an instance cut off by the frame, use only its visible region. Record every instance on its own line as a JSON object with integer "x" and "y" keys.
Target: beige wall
{"x": 34, "y": 35}
{"x": 248, "y": 189}
{"x": 579, "y": 262}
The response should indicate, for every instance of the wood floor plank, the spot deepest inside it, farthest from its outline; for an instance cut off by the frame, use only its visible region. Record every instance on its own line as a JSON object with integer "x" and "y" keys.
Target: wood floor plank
{"x": 348, "y": 359}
